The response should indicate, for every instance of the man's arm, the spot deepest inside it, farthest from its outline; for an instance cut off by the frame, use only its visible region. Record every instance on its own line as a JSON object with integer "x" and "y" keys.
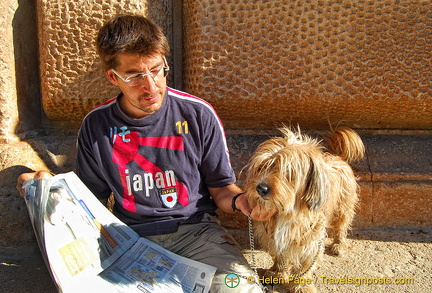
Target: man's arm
{"x": 39, "y": 175}
{"x": 223, "y": 197}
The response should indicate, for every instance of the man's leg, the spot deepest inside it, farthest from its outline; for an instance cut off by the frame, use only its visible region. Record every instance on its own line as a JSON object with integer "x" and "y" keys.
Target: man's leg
{"x": 210, "y": 243}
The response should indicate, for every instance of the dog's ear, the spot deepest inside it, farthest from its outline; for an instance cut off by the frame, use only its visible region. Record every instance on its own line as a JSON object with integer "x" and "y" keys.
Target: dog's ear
{"x": 317, "y": 185}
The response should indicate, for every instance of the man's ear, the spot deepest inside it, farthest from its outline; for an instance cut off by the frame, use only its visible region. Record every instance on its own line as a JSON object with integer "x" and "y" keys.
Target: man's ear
{"x": 111, "y": 77}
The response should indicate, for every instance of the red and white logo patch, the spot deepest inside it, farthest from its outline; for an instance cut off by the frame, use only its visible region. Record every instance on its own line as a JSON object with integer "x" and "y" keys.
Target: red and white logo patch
{"x": 169, "y": 197}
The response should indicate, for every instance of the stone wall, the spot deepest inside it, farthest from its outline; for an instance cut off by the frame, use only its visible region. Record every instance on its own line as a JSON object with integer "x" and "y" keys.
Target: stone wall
{"x": 366, "y": 64}
{"x": 8, "y": 94}
{"x": 72, "y": 79}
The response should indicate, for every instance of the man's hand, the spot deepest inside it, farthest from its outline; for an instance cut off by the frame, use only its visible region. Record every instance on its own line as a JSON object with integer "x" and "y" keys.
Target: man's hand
{"x": 223, "y": 198}
{"x": 257, "y": 213}
{"x": 28, "y": 176}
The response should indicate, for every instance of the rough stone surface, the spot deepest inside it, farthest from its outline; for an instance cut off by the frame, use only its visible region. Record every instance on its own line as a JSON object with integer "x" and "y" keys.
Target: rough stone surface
{"x": 8, "y": 94}
{"x": 402, "y": 203}
{"x": 73, "y": 81}
{"x": 364, "y": 63}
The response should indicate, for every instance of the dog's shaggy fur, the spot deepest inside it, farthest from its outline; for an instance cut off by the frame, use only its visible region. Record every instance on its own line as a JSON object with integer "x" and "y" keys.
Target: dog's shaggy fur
{"x": 313, "y": 188}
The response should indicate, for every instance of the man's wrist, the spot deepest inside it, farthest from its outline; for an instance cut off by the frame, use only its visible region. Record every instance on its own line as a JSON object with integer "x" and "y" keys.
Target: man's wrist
{"x": 233, "y": 202}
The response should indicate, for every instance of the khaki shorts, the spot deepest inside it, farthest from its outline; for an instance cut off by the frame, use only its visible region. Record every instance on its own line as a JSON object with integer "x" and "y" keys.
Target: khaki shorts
{"x": 210, "y": 243}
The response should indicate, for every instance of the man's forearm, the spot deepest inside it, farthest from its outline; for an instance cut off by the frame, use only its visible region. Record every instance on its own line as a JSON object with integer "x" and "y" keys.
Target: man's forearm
{"x": 223, "y": 196}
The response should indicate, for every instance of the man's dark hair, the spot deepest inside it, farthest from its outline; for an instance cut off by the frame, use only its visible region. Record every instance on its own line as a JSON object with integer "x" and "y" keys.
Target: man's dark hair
{"x": 130, "y": 34}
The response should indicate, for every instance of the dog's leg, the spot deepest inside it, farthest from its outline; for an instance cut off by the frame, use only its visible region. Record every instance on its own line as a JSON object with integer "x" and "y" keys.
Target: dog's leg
{"x": 341, "y": 224}
{"x": 339, "y": 241}
{"x": 346, "y": 193}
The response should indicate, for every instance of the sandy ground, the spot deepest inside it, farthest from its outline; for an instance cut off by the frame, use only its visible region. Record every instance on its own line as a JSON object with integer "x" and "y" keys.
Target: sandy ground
{"x": 400, "y": 257}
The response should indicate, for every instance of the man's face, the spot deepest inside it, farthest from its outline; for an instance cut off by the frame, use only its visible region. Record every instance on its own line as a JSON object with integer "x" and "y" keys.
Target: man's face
{"x": 147, "y": 96}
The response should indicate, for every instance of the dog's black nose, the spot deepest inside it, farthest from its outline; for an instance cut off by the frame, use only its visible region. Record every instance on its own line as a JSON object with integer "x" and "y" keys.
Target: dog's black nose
{"x": 263, "y": 190}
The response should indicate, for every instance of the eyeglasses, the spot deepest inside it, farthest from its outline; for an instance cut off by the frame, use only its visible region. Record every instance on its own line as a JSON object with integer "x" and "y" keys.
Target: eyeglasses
{"x": 137, "y": 78}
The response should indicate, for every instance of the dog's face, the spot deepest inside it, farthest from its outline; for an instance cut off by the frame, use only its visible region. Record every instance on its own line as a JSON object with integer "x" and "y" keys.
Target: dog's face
{"x": 287, "y": 173}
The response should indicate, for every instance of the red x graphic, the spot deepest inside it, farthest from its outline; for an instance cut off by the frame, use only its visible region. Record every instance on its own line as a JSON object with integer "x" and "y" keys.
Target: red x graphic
{"x": 126, "y": 151}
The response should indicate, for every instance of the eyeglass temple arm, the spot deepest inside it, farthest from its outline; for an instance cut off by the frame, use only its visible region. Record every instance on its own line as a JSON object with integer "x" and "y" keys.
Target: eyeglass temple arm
{"x": 166, "y": 68}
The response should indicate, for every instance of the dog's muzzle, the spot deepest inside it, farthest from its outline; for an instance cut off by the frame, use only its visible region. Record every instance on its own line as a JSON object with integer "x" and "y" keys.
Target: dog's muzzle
{"x": 263, "y": 190}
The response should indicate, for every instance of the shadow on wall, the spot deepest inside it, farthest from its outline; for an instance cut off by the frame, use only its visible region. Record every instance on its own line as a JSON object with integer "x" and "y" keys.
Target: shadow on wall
{"x": 27, "y": 66}
{"x": 55, "y": 147}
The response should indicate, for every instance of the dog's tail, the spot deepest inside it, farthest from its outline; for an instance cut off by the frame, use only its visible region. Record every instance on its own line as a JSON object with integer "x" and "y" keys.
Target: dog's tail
{"x": 345, "y": 143}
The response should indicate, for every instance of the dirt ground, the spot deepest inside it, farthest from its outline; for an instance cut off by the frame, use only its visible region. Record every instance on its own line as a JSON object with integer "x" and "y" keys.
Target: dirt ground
{"x": 380, "y": 260}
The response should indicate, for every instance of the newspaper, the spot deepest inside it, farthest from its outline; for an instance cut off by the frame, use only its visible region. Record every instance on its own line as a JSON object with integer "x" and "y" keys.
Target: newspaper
{"x": 87, "y": 248}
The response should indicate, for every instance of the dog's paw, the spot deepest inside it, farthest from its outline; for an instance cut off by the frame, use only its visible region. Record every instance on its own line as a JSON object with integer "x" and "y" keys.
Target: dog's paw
{"x": 306, "y": 289}
{"x": 337, "y": 250}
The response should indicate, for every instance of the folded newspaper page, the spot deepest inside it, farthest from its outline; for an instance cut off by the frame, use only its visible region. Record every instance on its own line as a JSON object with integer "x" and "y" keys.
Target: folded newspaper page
{"x": 87, "y": 248}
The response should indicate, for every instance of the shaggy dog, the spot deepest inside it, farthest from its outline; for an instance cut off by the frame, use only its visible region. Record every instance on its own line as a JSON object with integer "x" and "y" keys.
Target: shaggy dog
{"x": 311, "y": 187}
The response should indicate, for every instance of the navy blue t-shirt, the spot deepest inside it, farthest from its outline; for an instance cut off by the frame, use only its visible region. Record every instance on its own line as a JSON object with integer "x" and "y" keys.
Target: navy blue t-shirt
{"x": 158, "y": 167}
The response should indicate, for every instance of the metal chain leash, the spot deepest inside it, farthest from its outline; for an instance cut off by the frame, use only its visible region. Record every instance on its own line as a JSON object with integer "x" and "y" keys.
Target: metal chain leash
{"x": 252, "y": 248}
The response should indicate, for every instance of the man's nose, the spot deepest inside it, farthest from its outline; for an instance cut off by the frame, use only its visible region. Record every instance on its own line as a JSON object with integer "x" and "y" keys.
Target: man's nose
{"x": 149, "y": 83}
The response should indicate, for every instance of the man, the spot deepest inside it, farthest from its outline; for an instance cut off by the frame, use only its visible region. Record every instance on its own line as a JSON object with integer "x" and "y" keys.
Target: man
{"x": 162, "y": 153}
